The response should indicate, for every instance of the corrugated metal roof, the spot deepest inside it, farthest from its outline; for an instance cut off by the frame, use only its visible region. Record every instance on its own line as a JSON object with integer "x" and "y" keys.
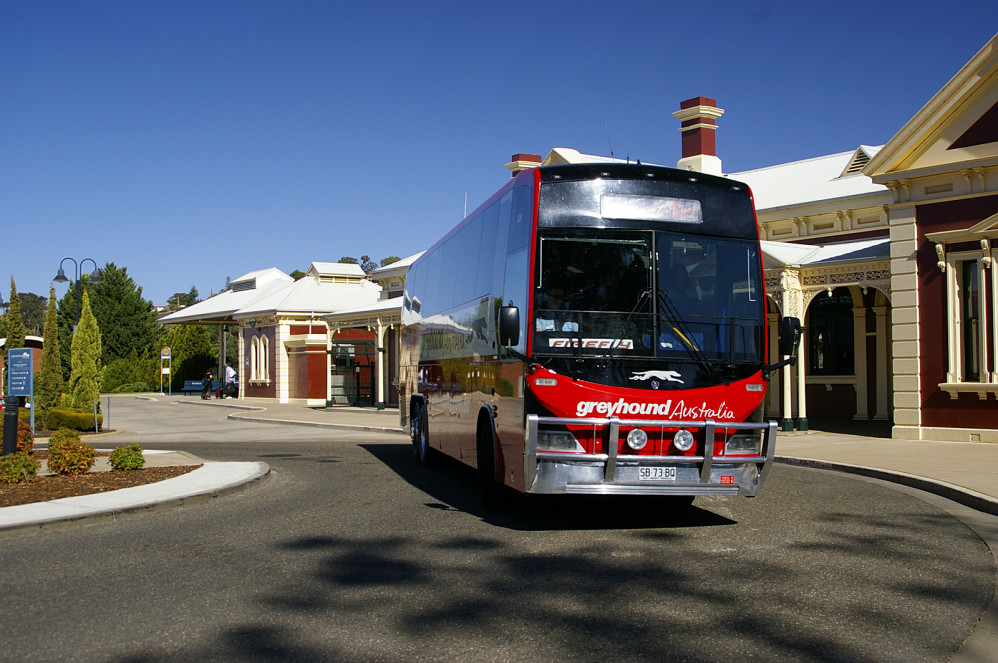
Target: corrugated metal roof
{"x": 779, "y": 254}
{"x": 811, "y": 180}
{"x": 223, "y": 306}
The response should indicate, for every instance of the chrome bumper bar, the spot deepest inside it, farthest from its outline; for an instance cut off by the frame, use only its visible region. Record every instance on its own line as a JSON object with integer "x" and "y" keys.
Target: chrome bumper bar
{"x": 611, "y": 473}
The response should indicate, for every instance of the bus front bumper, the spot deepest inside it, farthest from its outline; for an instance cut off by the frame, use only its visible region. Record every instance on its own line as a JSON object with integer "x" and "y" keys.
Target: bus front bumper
{"x": 550, "y": 472}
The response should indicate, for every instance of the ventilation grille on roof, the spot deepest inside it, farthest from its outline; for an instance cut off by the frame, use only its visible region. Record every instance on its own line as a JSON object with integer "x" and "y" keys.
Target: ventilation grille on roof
{"x": 248, "y": 284}
{"x": 326, "y": 278}
{"x": 859, "y": 160}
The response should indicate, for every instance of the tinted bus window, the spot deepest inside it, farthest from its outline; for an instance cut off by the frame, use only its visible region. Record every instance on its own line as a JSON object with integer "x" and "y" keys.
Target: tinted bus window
{"x": 521, "y": 219}
{"x": 486, "y": 255}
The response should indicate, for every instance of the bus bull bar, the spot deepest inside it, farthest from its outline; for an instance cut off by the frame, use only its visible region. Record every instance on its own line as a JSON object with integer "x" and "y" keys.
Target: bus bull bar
{"x": 613, "y": 473}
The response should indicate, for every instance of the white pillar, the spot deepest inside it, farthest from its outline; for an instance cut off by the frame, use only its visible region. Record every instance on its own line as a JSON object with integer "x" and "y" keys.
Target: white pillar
{"x": 381, "y": 355}
{"x": 802, "y": 383}
{"x": 240, "y": 362}
{"x": 860, "y": 365}
{"x": 883, "y": 364}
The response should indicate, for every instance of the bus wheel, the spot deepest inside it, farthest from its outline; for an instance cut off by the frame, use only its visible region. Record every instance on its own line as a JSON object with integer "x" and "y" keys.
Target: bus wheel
{"x": 420, "y": 439}
{"x": 493, "y": 493}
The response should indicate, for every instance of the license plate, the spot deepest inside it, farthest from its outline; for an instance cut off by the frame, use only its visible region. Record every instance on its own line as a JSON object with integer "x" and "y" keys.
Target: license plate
{"x": 657, "y": 473}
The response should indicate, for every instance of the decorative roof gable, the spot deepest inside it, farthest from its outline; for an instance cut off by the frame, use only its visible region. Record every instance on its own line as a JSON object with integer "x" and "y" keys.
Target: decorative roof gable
{"x": 985, "y": 130}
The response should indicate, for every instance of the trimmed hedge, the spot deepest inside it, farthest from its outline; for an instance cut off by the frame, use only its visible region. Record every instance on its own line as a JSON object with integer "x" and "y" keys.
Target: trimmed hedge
{"x": 132, "y": 388}
{"x": 59, "y": 417}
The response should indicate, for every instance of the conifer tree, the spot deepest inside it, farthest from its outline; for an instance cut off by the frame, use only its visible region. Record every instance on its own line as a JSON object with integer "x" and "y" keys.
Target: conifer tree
{"x": 49, "y": 384}
{"x": 84, "y": 380}
{"x": 15, "y": 324}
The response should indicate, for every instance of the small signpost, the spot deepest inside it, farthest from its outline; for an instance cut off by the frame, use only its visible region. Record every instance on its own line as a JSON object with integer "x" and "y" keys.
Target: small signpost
{"x": 165, "y": 364}
{"x": 20, "y": 382}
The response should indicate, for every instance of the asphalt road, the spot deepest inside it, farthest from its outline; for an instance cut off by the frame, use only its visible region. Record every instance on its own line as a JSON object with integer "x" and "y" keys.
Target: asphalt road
{"x": 351, "y": 552}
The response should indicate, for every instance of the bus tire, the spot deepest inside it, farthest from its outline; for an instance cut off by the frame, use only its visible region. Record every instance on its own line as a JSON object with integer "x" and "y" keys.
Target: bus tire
{"x": 419, "y": 431}
{"x": 493, "y": 493}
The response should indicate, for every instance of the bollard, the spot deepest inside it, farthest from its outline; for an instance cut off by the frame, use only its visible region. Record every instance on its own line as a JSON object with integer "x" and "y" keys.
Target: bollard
{"x": 10, "y": 424}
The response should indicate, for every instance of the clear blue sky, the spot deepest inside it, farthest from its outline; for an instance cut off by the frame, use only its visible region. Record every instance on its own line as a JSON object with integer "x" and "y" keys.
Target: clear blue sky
{"x": 191, "y": 141}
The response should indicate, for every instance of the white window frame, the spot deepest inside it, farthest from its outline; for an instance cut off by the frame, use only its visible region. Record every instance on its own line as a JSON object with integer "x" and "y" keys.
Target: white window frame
{"x": 956, "y": 381}
{"x": 260, "y": 359}
{"x": 263, "y": 361}
{"x": 254, "y": 362}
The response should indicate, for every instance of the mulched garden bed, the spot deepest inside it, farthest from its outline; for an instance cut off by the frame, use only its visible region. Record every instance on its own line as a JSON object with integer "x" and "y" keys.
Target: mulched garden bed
{"x": 53, "y": 487}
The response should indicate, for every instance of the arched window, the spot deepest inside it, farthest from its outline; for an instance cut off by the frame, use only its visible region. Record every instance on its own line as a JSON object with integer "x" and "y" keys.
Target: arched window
{"x": 254, "y": 358}
{"x": 264, "y": 358}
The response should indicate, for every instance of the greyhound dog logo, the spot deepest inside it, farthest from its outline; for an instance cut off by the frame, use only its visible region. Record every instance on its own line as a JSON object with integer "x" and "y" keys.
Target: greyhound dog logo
{"x": 668, "y": 376}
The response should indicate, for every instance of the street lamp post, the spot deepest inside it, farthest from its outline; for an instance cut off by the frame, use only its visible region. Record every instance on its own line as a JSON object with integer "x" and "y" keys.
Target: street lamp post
{"x": 78, "y": 269}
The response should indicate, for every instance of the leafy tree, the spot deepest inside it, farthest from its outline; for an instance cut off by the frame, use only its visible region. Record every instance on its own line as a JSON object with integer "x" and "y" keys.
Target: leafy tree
{"x": 32, "y": 312}
{"x": 192, "y": 352}
{"x": 66, "y": 321}
{"x": 297, "y": 274}
{"x": 49, "y": 386}
{"x": 365, "y": 263}
{"x": 179, "y": 300}
{"x": 132, "y": 373}
{"x": 15, "y": 324}
{"x": 84, "y": 384}
{"x": 231, "y": 334}
{"x": 126, "y": 319}
{"x": 389, "y": 260}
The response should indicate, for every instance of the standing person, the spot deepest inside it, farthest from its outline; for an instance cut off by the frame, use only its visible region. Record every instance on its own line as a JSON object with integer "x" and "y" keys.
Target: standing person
{"x": 206, "y": 385}
{"x": 230, "y": 381}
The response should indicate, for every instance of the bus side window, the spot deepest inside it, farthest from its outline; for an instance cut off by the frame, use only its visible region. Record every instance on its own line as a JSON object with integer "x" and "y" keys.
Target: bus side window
{"x": 483, "y": 273}
{"x": 521, "y": 218}
{"x": 515, "y": 289}
{"x": 501, "y": 237}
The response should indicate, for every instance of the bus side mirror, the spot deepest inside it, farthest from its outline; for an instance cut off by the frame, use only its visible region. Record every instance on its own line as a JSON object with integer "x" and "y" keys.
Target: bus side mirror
{"x": 509, "y": 326}
{"x": 789, "y": 337}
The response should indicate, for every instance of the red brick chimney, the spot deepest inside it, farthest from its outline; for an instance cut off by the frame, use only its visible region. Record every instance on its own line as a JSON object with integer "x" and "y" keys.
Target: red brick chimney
{"x": 697, "y": 117}
{"x": 523, "y": 161}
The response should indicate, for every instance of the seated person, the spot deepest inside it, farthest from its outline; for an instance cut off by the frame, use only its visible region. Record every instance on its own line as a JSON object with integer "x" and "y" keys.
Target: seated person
{"x": 549, "y": 304}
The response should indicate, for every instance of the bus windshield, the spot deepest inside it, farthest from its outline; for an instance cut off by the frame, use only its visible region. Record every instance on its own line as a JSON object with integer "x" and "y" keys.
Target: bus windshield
{"x": 680, "y": 297}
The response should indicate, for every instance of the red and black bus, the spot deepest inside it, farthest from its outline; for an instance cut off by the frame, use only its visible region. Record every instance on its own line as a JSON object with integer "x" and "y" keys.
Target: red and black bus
{"x": 595, "y": 329}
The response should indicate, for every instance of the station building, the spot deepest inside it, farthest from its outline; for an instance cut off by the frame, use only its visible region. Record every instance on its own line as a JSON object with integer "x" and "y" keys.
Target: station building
{"x": 885, "y": 252}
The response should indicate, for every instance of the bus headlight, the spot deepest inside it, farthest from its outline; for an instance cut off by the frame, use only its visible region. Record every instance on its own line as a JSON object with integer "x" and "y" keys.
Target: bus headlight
{"x": 743, "y": 444}
{"x": 557, "y": 441}
{"x": 637, "y": 439}
{"x": 683, "y": 440}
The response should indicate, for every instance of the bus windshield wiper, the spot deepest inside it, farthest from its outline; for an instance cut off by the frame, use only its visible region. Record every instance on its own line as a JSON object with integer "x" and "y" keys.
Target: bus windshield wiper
{"x": 621, "y": 328}
{"x": 683, "y": 332}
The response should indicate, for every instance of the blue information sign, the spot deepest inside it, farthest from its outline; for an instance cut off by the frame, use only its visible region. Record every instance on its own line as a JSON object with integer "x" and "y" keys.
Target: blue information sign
{"x": 20, "y": 371}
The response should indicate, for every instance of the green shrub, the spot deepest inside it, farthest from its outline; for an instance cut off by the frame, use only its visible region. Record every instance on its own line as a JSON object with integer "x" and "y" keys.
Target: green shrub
{"x": 15, "y": 468}
{"x": 59, "y": 417}
{"x": 25, "y": 438}
{"x": 69, "y": 456}
{"x": 63, "y": 435}
{"x": 127, "y": 458}
{"x": 132, "y": 388}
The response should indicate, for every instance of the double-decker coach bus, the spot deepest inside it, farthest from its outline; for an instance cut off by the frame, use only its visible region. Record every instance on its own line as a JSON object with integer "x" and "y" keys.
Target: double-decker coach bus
{"x": 595, "y": 329}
